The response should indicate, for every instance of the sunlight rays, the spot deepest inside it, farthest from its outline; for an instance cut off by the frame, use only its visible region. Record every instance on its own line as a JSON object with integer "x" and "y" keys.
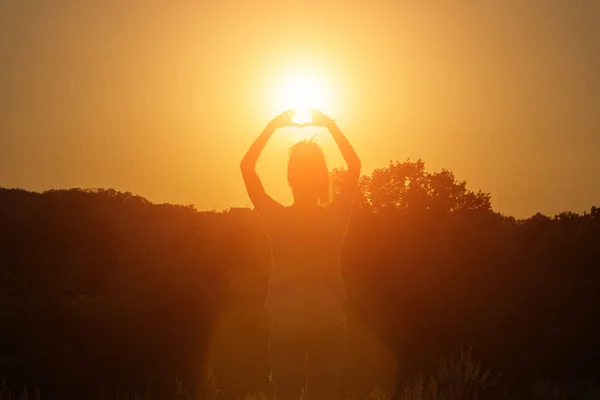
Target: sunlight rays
{"x": 301, "y": 90}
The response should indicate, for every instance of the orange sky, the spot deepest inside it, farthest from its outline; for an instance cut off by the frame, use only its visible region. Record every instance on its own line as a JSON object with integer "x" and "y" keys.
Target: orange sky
{"x": 163, "y": 100}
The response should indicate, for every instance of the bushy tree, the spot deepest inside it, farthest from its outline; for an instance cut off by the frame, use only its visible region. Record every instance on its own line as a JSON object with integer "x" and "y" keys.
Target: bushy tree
{"x": 407, "y": 186}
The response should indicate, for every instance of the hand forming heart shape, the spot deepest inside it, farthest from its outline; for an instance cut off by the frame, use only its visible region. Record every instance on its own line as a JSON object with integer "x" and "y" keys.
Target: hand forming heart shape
{"x": 305, "y": 124}
{"x": 285, "y": 119}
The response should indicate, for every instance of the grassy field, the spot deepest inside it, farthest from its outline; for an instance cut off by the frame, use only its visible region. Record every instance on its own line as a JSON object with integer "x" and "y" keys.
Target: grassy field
{"x": 456, "y": 378}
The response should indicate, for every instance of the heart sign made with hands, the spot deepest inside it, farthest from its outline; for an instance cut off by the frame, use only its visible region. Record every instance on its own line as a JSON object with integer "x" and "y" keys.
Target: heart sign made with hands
{"x": 302, "y": 119}
{"x": 317, "y": 118}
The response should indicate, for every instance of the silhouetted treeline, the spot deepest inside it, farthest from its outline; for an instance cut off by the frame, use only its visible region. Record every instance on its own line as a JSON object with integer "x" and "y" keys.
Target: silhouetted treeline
{"x": 102, "y": 290}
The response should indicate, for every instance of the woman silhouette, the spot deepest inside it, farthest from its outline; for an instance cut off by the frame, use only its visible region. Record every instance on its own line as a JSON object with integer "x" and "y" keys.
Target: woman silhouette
{"x": 306, "y": 292}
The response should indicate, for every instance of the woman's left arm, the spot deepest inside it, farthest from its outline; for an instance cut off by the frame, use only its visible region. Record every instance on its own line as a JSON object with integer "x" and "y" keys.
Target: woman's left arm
{"x": 349, "y": 188}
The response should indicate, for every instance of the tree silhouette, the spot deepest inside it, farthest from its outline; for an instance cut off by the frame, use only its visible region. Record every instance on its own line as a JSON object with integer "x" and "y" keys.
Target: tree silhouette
{"x": 407, "y": 186}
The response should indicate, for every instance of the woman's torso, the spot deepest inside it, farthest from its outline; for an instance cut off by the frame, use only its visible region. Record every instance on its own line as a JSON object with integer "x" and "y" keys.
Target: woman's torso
{"x": 306, "y": 246}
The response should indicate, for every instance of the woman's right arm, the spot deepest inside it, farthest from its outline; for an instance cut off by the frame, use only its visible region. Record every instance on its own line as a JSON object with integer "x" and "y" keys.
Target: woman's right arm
{"x": 260, "y": 199}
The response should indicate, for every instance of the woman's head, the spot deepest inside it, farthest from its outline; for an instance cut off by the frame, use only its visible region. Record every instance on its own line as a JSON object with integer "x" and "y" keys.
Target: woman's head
{"x": 308, "y": 175}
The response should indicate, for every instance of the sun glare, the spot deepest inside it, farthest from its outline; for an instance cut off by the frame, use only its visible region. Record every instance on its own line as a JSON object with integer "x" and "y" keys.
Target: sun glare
{"x": 301, "y": 91}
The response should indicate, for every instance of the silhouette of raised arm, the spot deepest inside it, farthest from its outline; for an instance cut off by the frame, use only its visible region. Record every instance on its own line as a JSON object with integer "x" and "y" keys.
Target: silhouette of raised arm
{"x": 254, "y": 187}
{"x": 349, "y": 188}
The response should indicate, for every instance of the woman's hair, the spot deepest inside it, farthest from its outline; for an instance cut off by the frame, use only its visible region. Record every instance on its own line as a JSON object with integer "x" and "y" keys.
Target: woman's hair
{"x": 308, "y": 172}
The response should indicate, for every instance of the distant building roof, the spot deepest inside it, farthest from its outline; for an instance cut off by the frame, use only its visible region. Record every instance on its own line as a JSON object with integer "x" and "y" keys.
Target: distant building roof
{"x": 245, "y": 211}
{"x": 245, "y": 214}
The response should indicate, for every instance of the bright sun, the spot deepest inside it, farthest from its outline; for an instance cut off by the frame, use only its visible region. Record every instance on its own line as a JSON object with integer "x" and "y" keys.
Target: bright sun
{"x": 302, "y": 91}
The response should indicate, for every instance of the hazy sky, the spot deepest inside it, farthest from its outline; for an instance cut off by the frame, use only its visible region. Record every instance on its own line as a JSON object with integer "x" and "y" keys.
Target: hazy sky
{"x": 163, "y": 100}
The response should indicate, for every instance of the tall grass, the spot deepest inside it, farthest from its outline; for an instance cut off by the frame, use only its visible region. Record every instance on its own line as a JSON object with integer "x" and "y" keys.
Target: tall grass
{"x": 455, "y": 378}
{"x": 459, "y": 378}
{"x": 7, "y": 394}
